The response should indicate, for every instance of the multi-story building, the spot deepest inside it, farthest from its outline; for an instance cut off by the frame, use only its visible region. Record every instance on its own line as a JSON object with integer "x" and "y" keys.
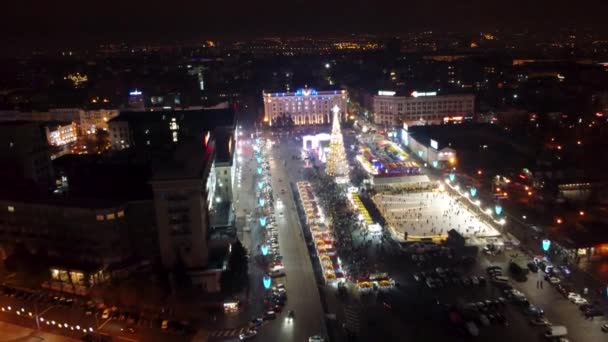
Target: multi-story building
{"x": 182, "y": 205}
{"x": 25, "y": 154}
{"x": 88, "y": 121}
{"x": 421, "y": 108}
{"x": 60, "y": 134}
{"x": 152, "y": 130}
{"x": 303, "y": 107}
{"x": 92, "y": 120}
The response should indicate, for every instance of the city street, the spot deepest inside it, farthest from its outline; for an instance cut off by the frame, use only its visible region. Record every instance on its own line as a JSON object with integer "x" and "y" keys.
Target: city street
{"x": 302, "y": 290}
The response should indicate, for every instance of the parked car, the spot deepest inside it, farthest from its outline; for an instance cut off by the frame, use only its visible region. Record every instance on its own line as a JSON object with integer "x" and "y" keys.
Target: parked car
{"x": 532, "y": 267}
{"x": 270, "y": 315}
{"x": 540, "y": 321}
{"x": 248, "y": 334}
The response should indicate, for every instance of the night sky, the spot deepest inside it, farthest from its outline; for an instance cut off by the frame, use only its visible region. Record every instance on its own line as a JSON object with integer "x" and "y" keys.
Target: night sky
{"x": 89, "y": 20}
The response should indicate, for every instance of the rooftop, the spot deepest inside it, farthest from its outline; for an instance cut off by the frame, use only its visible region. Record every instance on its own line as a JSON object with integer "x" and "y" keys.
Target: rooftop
{"x": 206, "y": 119}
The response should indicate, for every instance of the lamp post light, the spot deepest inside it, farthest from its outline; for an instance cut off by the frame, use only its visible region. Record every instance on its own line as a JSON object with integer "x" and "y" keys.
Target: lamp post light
{"x": 498, "y": 209}
{"x": 264, "y": 249}
{"x": 452, "y": 177}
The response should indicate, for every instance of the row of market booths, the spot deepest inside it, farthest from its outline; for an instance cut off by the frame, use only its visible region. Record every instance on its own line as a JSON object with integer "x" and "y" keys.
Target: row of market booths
{"x": 373, "y": 228}
{"x": 375, "y": 281}
{"x": 322, "y": 235}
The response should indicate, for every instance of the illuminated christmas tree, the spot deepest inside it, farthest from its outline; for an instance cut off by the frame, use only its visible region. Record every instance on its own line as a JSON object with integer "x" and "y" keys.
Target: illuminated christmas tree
{"x": 337, "y": 166}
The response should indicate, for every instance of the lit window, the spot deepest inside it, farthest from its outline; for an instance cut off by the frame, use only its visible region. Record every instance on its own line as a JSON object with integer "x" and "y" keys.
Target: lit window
{"x": 11, "y": 209}
{"x": 120, "y": 213}
{"x": 110, "y": 216}
{"x": 99, "y": 217}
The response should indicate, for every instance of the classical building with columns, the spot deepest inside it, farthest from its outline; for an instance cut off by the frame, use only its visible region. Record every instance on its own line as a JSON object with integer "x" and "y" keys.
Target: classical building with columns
{"x": 304, "y": 107}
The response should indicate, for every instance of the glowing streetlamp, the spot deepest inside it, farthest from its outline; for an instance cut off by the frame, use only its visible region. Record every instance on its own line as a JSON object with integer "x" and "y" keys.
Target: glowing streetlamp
{"x": 264, "y": 249}
{"x": 262, "y": 202}
{"x": 452, "y": 177}
{"x": 259, "y": 159}
{"x": 498, "y": 209}
{"x": 473, "y": 191}
{"x": 435, "y": 163}
{"x": 263, "y": 221}
{"x": 546, "y": 244}
{"x": 267, "y": 281}
{"x": 260, "y": 185}
{"x": 259, "y": 170}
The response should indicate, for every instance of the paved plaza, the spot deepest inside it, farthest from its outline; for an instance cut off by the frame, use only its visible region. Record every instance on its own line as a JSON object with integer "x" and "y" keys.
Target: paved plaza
{"x": 429, "y": 214}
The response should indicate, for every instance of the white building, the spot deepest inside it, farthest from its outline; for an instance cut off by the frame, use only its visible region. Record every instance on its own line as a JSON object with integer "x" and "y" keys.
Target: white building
{"x": 421, "y": 108}
{"x": 61, "y": 134}
{"x": 304, "y": 107}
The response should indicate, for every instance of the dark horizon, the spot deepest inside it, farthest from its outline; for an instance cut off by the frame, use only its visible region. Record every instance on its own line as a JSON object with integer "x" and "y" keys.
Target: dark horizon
{"x": 33, "y": 23}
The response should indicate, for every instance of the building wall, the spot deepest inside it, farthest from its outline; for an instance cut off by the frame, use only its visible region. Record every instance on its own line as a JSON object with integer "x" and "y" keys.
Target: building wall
{"x": 91, "y": 120}
{"x": 24, "y": 146}
{"x": 100, "y": 235}
{"x": 182, "y": 221}
{"x": 393, "y": 110}
{"x": 59, "y": 135}
{"x": 305, "y": 107}
{"x": 120, "y": 135}
{"x": 224, "y": 176}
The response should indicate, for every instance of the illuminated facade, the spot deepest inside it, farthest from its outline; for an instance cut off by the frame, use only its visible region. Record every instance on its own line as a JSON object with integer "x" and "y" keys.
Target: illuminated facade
{"x": 92, "y": 120}
{"x": 420, "y": 108}
{"x": 303, "y": 107}
{"x": 59, "y": 135}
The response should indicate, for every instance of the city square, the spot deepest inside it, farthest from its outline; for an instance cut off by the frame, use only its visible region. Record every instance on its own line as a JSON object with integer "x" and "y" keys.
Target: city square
{"x": 429, "y": 214}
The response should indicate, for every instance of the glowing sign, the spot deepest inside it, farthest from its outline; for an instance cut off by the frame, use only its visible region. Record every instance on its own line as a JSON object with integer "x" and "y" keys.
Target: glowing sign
{"x": 263, "y": 221}
{"x": 264, "y": 249}
{"x": 135, "y": 92}
{"x": 452, "y": 177}
{"x": 417, "y": 94}
{"x": 434, "y": 144}
{"x": 306, "y": 92}
{"x": 386, "y": 93}
{"x": 473, "y": 191}
{"x": 546, "y": 245}
{"x": 498, "y": 209}
{"x": 267, "y": 281}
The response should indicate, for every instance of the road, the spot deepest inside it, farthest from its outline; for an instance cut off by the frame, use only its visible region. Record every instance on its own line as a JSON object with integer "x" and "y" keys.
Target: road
{"x": 302, "y": 290}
